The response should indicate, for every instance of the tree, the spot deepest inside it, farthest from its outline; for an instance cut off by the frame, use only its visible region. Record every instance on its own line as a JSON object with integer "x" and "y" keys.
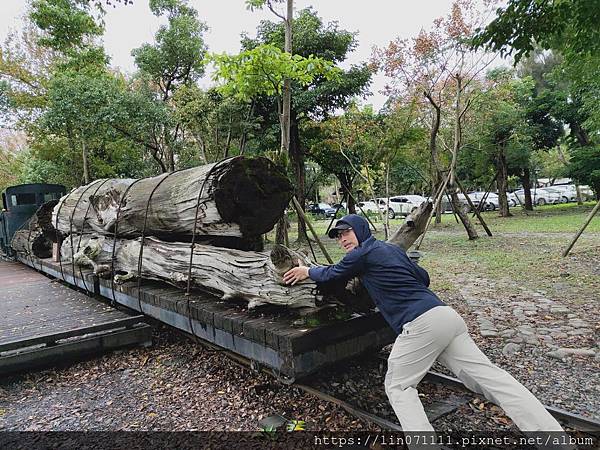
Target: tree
{"x": 12, "y": 155}
{"x": 571, "y": 28}
{"x": 501, "y": 126}
{"x": 585, "y": 167}
{"x": 437, "y": 69}
{"x": 176, "y": 59}
{"x": 318, "y": 99}
{"x": 287, "y": 21}
{"x": 69, "y": 28}
{"x": 77, "y": 103}
{"x": 568, "y": 25}
{"x": 25, "y": 70}
{"x": 347, "y": 147}
{"x": 220, "y": 126}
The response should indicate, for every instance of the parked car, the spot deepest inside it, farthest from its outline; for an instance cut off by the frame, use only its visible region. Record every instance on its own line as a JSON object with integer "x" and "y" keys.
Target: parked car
{"x": 368, "y": 206}
{"x": 321, "y": 210}
{"x": 540, "y": 196}
{"x": 492, "y": 202}
{"x": 548, "y": 195}
{"x": 475, "y": 199}
{"x": 568, "y": 192}
{"x": 512, "y": 199}
{"x": 401, "y": 205}
{"x": 563, "y": 196}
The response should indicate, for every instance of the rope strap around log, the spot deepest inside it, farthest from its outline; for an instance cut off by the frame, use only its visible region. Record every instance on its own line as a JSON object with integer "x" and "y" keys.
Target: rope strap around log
{"x": 142, "y": 239}
{"x": 88, "y": 293}
{"x": 193, "y": 244}
{"x": 59, "y": 241}
{"x": 85, "y": 218}
{"x": 115, "y": 234}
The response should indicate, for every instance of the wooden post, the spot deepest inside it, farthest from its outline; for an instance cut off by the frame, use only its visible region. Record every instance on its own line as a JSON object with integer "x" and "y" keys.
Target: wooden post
{"x": 436, "y": 202}
{"x": 587, "y": 222}
{"x": 310, "y": 227}
{"x": 489, "y": 189}
{"x": 452, "y": 206}
{"x": 485, "y": 227}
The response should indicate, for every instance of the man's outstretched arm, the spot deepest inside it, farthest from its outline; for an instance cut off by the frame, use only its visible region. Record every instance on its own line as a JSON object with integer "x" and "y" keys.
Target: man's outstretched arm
{"x": 350, "y": 266}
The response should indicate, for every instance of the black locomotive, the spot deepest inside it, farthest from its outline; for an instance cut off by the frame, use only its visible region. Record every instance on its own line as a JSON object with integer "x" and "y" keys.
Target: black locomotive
{"x": 19, "y": 203}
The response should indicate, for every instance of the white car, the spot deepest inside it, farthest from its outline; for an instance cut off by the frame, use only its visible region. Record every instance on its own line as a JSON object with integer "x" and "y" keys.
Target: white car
{"x": 512, "y": 199}
{"x": 492, "y": 202}
{"x": 401, "y": 205}
{"x": 569, "y": 191}
{"x": 539, "y": 196}
{"x": 368, "y": 206}
{"x": 564, "y": 198}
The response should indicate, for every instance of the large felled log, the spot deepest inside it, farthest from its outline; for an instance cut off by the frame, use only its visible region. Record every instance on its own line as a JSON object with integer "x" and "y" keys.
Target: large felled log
{"x": 226, "y": 273}
{"x": 35, "y": 238}
{"x": 239, "y": 197}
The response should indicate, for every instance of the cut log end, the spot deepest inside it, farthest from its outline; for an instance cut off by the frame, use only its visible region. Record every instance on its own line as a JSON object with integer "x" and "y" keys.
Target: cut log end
{"x": 252, "y": 193}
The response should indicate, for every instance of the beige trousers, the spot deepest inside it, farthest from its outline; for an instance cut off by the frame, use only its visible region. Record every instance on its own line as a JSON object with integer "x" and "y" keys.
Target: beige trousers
{"x": 441, "y": 334}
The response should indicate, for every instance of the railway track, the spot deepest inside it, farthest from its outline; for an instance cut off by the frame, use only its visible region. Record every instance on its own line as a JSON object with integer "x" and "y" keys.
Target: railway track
{"x": 440, "y": 408}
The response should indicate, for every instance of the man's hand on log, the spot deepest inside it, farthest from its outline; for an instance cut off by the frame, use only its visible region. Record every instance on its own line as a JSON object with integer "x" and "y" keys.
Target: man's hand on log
{"x": 296, "y": 274}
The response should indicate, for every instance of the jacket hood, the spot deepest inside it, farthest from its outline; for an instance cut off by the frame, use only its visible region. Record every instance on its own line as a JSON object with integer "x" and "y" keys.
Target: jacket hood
{"x": 360, "y": 226}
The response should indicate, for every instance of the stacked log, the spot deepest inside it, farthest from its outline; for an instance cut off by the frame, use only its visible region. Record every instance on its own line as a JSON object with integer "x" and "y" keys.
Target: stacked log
{"x": 35, "y": 237}
{"x": 239, "y": 197}
{"x": 227, "y": 274}
{"x": 126, "y": 228}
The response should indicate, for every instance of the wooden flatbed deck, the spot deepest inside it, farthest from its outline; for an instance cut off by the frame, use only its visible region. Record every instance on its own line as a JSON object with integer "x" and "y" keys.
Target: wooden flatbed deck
{"x": 266, "y": 335}
{"x": 44, "y": 322}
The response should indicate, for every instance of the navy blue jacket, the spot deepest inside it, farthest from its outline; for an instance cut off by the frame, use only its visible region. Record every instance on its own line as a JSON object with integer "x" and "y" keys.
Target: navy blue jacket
{"x": 397, "y": 285}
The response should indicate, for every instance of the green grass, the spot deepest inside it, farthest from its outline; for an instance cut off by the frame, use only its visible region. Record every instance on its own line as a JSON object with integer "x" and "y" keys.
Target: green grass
{"x": 565, "y": 218}
{"x": 525, "y": 248}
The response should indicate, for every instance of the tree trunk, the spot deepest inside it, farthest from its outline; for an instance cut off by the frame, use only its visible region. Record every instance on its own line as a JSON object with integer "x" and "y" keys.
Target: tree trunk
{"x": 578, "y": 191}
{"x": 36, "y": 237}
{"x": 241, "y": 197}
{"x": 463, "y": 216}
{"x": 435, "y": 165}
{"x": 527, "y": 189}
{"x": 346, "y": 182}
{"x": 580, "y": 134}
{"x": 287, "y": 85}
{"x": 297, "y": 158}
{"x": 413, "y": 227}
{"x": 86, "y": 170}
{"x": 502, "y": 180}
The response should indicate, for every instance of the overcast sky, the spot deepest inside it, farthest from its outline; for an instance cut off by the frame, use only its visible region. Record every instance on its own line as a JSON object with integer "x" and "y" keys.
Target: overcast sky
{"x": 377, "y": 22}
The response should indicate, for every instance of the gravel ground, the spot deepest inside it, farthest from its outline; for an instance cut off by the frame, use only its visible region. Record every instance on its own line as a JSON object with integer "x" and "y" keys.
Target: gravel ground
{"x": 540, "y": 321}
{"x": 174, "y": 385}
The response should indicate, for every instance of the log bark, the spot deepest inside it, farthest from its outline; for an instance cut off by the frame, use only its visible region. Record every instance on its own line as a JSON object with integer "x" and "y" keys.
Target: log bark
{"x": 225, "y": 273}
{"x": 35, "y": 238}
{"x": 239, "y": 197}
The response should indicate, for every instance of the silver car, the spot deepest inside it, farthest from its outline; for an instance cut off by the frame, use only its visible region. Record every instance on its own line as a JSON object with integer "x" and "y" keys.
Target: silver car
{"x": 539, "y": 196}
{"x": 401, "y": 205}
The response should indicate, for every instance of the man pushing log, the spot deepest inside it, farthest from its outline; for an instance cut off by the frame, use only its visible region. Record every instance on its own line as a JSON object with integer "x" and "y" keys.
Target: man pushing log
{"x": 427, "y": 330}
